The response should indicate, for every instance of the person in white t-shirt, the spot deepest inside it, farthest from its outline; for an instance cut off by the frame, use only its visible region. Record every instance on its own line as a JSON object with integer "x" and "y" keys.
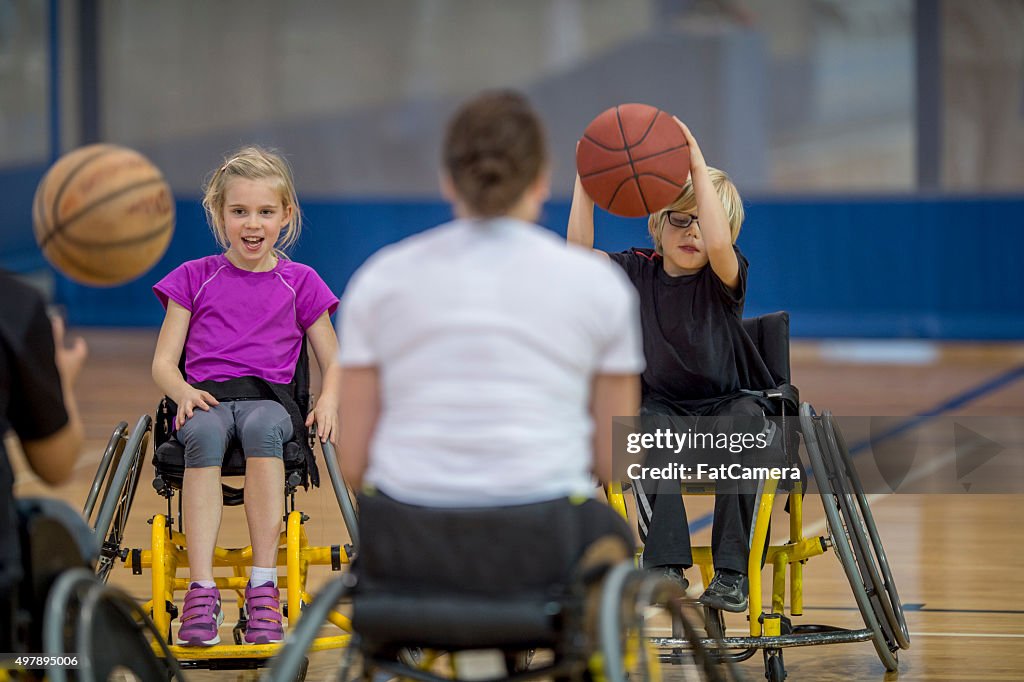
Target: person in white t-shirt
{"x": 482, "y": 363}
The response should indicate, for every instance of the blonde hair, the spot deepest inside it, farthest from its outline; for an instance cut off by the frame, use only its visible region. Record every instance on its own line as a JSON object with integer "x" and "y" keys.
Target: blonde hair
{"x": 687, "y": 203}
{"x": 252, "y": 163}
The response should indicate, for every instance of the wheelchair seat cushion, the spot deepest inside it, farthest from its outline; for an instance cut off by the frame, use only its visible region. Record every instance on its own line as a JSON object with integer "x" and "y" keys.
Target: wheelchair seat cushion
{"x": 169, "y": 460}
{"x": 473, "y": 577}
{"x": 386, "y": 621}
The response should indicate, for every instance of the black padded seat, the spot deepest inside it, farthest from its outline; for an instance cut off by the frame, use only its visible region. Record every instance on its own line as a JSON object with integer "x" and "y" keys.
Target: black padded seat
{"x": 169, "y": 460}
{"x": 472, "y": 578}
{"x": 451, "y": 621}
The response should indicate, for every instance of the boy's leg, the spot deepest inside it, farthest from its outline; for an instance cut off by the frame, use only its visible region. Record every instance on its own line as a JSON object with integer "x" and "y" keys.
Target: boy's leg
{"x": 734, "y": 509}
{"x": 661, "y": 515}
{"x": 205, "y": 437}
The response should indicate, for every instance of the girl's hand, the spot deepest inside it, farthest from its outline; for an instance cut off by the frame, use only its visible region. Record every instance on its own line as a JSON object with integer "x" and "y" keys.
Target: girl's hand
{"x": 190, "y": 400}
{"x": 697, "y": 162}
{"x": 325, "y": 415}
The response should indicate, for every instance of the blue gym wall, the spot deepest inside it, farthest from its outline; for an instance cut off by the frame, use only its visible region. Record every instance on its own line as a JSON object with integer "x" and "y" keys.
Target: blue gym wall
{"x": 888, "y": 267}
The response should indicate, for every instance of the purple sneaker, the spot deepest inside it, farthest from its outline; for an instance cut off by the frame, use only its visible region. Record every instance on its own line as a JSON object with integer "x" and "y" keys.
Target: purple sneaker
{"x": 264, "y": 605}
{"x": 201, "y": 617}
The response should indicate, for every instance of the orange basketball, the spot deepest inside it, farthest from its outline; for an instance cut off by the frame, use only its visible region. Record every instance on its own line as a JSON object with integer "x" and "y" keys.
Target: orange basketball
{"x": 633, "y": 160}
{"x": 103, "y": 214}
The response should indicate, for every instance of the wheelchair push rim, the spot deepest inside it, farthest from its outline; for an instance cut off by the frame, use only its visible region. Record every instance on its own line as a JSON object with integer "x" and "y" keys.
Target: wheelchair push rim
{"x": 839, "y": 530}
{"x": 112, "y": 518}
{"x": 881, "y": 575}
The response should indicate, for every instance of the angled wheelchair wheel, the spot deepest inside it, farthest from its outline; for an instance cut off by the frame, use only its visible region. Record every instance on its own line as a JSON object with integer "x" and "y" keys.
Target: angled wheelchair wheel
{"x": 290, "y": 662}
{"x": 112, "y": 517}
{"x": 82, "y": 617}
{"x": 871, "y": 555}
{"x": 112, "y": 453}
{"x": 847, "y": 535}
{"x": 108, "y": 614}
{"x": 627, "y": 653}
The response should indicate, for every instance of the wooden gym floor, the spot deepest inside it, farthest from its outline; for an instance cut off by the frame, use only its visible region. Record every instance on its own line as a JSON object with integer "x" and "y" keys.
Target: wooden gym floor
{"x": 957, "y": 559}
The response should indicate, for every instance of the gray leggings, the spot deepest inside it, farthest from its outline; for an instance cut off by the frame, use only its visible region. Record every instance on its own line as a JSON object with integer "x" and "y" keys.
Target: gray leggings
{"x": 261, "y": 426}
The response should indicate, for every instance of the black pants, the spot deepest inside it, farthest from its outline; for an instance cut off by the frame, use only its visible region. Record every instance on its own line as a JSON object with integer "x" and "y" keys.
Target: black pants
{"x": 661, "y": 515}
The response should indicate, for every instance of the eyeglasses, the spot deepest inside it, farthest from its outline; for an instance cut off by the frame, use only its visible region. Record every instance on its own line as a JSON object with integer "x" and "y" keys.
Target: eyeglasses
{"x": 680, "y": 219}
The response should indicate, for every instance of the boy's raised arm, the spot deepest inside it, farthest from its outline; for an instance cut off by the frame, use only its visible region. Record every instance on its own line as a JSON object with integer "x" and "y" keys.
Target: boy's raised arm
{"x": 581, "y": 218}
{"x": 714, "y": 223}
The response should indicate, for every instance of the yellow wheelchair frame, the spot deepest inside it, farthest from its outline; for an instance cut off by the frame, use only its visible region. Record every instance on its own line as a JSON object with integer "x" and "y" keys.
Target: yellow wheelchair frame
{"x": 168, "y": 552}
{"x": 851, "y": 531}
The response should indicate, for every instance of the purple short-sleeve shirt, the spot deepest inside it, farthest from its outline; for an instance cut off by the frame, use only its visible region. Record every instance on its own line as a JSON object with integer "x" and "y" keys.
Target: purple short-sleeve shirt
{"x": 245, "y": 323}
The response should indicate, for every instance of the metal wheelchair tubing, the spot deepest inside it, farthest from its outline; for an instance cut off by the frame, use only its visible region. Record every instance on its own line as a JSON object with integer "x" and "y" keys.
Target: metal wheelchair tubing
{"x": 117, "y": 438}
{"x": 348, "y": 511}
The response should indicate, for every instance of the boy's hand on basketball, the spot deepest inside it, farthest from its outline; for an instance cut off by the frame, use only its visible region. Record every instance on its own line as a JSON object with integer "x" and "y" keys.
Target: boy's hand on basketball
{"x": 69, "y": 361}
{"x": 325, "y": 416}
{"x": 697, "y": 162}
{"x": 190, "y": 400}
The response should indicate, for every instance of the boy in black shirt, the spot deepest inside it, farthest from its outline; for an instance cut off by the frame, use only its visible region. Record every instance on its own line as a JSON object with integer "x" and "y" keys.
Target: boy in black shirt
{"x": 692, "y": 287}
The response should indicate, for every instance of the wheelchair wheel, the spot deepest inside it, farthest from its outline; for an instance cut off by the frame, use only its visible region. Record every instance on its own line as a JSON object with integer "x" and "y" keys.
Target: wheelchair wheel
{"x": 846, "y": 533}
{"x": 774, "y": 667}
{"x": 871, "y": 556}
{"x": 626, "y": 651}
{"x": 83, "y": 615}
{"x": 109, "y": 614}
{"x": 112, "y": 517}
{"x": 115, "y": 446}
{"x": 291, "y": 660}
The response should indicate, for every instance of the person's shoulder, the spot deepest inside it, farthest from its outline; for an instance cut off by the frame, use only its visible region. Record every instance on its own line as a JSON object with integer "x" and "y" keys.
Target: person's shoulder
{"x": 18, "y": 299}
{"x": 207, "y": 265}
{"x": 291, "y": 269}
{"x": 416, "y": 248}
{"x": 17, "y": 291}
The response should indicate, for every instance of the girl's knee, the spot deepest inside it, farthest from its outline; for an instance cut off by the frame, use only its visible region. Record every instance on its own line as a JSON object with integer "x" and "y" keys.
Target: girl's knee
{"x": 205, "y": 437}
{"x": 265, "y": 429}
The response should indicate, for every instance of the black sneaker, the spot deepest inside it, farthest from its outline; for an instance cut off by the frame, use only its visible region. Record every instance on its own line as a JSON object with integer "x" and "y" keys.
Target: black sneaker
{"x": 727, "y": 592}
{"x": 673, "y": 573}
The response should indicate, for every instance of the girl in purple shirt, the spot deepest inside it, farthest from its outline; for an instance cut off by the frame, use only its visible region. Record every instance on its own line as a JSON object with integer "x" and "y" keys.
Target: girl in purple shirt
{"x": 238, "y": 316}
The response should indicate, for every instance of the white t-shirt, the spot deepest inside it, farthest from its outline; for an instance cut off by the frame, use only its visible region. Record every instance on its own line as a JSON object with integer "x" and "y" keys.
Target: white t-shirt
{"x": 487, "y": 335}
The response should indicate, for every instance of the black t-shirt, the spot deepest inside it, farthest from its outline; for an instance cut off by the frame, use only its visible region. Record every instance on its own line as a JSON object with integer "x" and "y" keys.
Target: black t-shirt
{"x": 694, "y": 342}
{"x": 31, "y": 400}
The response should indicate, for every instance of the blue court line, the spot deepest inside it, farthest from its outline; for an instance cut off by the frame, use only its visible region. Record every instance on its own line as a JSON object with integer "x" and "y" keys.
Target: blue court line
{"x": 921, "y": 608}
{"x": 913, "y": 422}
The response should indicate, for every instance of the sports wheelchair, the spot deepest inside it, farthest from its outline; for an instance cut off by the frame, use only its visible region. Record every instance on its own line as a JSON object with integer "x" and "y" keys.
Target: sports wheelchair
{"x": 496, "y": 594}
{"x": 118, "y": 476}
{"x": 851, "y": 531}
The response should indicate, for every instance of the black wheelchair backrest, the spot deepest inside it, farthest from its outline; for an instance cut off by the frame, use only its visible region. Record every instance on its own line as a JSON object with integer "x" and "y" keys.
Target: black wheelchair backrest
{"x": 770, "y": 333}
